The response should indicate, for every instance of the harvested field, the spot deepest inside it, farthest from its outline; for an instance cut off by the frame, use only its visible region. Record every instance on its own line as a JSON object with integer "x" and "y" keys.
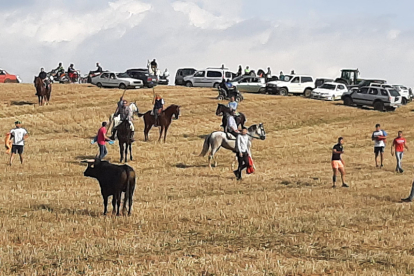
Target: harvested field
{"x": 189, "y": 220}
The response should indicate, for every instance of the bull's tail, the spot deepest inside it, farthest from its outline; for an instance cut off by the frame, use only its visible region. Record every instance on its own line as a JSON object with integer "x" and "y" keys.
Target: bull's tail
{"x": 129, "y": 188}
{"x": 206, "y": 146}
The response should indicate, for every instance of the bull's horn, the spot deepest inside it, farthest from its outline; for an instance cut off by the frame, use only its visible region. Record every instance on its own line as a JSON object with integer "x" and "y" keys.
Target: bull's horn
{"x": 88, "y": 161}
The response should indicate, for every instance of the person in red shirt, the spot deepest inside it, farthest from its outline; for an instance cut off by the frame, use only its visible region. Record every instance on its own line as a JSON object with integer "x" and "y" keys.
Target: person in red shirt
{"x": 399, "y": 144}
{"x": 102, "y": 138}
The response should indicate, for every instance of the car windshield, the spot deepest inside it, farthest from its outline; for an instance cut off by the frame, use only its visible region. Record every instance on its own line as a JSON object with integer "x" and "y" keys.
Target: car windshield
{"x": 394, "y": 92}
{"x": 122, "y": 75}
{"x": 236, "y": 79}
{"x": 328, "y": 86}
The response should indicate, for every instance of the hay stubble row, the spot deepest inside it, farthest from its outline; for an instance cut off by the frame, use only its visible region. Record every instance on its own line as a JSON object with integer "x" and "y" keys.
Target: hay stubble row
{"x": 188, "y": 220}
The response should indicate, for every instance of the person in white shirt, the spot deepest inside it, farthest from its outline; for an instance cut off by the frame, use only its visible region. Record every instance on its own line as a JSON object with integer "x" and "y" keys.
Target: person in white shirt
{"x": 379, "y": 137}
{"x": 231, "y": 124}
{"x": 19, "y": 136}
{"x": 242, "y": 151}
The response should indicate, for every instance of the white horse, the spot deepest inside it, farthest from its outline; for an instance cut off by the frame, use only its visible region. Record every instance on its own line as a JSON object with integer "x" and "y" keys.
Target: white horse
{"x": 218, "y": 139}
{"x": 116, "y": 120}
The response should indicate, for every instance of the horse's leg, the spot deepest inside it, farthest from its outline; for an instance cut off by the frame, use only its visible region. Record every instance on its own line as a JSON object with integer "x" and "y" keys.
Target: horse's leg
{"x": 130, "y": 151}
{"x": 121, "y": 150}
{"x": 165, "y": 132}
{"x": 161, "y": 130}
{"x": 146, "y": 131}
{"x": 126, "y": 152}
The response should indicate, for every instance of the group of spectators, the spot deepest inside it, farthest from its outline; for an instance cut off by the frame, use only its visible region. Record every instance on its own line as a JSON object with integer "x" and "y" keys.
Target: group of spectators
{"x": 260, "y": 73}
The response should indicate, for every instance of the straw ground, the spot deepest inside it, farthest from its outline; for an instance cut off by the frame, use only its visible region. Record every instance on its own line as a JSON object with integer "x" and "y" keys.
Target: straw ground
{"x": 189, "y": 220}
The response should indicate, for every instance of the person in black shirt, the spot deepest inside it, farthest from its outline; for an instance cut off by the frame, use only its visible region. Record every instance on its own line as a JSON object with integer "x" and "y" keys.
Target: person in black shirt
{"x": 43, "y": 77}
{"x": 338, "y": 163}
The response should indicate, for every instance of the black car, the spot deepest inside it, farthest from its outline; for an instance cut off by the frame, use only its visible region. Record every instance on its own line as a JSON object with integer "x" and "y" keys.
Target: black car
{"x": 181, "y": 73}
{"x": 148, "y": 79}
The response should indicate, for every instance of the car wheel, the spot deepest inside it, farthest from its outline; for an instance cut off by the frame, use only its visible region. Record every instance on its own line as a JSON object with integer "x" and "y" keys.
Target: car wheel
{"x": 348, "y": 101}
{"x": 220, "y": 98}
{"x": 307, "y": 93}
{"x": 189, "y": 84}
{"x": 238, "y": 99}
{"x": 122, "y": 86}
{"x": 404, "y": 101}
{"x": 379, "y": 106}
{"x": 7, "y": 81}
{"x": 99, "y": 85}
{"x": 283, "y": 92}
{"x": 150, "y": 86}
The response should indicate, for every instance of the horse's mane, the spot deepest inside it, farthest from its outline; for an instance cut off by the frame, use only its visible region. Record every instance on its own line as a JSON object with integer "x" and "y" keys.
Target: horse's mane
{"x": 252, "y": 128}
{"x": 171, "y": 106}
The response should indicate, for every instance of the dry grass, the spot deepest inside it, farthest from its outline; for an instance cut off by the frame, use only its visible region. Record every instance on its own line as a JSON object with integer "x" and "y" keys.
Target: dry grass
{"x": 187, "y": 220}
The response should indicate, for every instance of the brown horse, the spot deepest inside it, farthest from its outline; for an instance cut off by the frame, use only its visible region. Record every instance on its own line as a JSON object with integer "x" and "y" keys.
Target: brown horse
{"x": 43, "y": 93}
{"x": 164, "y": 120}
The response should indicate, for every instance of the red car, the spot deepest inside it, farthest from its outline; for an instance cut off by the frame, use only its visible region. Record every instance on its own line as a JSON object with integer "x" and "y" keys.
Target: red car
{"x": 8, "y": 78}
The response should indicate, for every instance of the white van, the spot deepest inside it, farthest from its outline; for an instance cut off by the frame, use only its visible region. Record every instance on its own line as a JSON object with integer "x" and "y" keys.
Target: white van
{"x": 210, "y": 77}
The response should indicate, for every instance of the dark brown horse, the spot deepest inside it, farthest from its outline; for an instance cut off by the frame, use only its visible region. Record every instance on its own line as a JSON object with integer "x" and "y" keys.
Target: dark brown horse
{"x": 223, "y": 110}
{"x": 164, "y": 120}
{"x": 42, "y": 92}
{"x": 124, "y": 140}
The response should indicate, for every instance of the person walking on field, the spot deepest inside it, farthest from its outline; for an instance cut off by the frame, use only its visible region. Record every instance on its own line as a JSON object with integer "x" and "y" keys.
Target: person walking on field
{"x": 337, "y": 163}
{"x": 102, "y": 138}
{"x": 242, "y": 153}
{"x": 399, "y": 144}
{"x": 379, "y": 136}
{"x": 19, "y": 136}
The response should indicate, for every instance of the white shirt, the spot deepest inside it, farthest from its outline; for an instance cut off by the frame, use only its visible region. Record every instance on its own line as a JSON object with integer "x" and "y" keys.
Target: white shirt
{"x": 242, "y": 142}
{"x": 231, "y": 123}
{"x": 379, "y": 143}
{"x": 18, "y": 134}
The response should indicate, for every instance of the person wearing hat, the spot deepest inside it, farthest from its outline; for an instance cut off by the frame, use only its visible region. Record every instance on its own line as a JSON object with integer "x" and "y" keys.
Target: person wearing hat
{"x": 19, "y": 136}
{"x": 158, "y": 108}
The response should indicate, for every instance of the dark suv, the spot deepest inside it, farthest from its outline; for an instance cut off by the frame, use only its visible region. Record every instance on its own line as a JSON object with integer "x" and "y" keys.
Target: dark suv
{"x": 181, "y": 73}
{"x": 143, "y": 74}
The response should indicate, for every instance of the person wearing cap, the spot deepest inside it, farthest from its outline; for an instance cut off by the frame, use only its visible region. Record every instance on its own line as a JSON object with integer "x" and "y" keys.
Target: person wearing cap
{"x": 19, "y": 136}
{"x": 158, "y": 108}
{"x": 242, "y": 152}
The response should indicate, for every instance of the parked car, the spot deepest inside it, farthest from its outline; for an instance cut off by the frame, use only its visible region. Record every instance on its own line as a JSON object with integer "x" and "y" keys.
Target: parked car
{"x": 181, "y": 73}
{"x": 147, "y": 78}
{"x": 406, "y": 97}
{"x": 8, "y": 78}
{"x": 330, "y": 91}
{"x": 120, "y": 80}
{"x": 405, "y": 92}
{"x": 295, "y": 84}
{"x": 210, "y": 77}
{"x": 250, "y": 84}
{"x": 320, "y": 81}
{"x": 379, "y": 98}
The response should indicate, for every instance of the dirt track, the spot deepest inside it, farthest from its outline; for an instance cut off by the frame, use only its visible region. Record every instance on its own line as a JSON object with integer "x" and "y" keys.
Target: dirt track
{"x": 187, "y": 219}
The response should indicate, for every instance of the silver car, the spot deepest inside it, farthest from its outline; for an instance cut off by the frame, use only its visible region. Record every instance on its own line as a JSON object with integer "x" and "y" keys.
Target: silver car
{"x": 250, "y": 84}
{"x": 120, "y": 80}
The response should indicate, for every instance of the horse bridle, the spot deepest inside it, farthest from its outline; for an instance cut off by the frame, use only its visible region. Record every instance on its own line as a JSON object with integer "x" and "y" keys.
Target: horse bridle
{"x": 254, "y": 137}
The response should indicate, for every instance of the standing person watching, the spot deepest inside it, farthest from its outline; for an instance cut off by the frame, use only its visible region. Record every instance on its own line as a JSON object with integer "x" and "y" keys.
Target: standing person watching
{"x": 379, "y": 137}
{"x": 102, "y": 138}
{"x": 399, "y": 144}
{"x": 242, "y": 152}
{"x": 337, "y": 163}
{"x": 19, "y": 135}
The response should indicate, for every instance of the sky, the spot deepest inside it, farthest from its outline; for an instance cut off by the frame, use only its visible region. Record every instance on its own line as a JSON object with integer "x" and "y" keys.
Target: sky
{"x": 315, "y": 37}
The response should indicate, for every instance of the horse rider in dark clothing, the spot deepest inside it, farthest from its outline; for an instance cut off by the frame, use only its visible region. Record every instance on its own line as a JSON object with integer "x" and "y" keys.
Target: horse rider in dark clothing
{"x": 44, "y": 78}
{"x": 158, "y": 108}
{"x": 125, "y": 115}
{"x": 154, "y": 66}
{"x": 99, "y": 68}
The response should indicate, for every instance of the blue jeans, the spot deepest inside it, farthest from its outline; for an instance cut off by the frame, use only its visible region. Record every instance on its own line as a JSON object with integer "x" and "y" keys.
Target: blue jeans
{"x": 399, "y": 156}
{"x": 102, "y": 151}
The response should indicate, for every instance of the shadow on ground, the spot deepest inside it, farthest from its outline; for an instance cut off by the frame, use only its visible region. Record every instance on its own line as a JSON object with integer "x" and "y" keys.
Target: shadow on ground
{"x": 21, "y": 103}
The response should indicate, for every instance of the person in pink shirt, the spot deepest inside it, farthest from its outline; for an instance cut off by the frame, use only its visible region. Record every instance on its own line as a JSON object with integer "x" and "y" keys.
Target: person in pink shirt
{"x": 102, "y": 138}
{"x": 399, "y": 144}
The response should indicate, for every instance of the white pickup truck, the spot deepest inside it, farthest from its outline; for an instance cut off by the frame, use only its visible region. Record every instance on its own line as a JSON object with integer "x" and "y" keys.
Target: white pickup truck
{"x": 294, "y": 84}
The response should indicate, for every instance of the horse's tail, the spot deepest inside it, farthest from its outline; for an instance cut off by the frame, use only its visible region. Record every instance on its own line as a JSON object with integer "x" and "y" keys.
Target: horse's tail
{"x": 206, "y": 146}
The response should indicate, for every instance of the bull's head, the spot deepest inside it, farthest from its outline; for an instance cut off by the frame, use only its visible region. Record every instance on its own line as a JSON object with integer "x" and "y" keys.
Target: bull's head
{"x": 92, "y": 170}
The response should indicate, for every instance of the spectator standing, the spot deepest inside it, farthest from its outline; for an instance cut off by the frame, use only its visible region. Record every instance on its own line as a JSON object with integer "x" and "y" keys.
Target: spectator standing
{"x": 19, "y": 136}
{"x": 379, "y": 136}
{"x": 399, "y": 144}
{"x": 337, "y": 163}
{"x": 102, "y": 138}
{"x": 242, "y": 152}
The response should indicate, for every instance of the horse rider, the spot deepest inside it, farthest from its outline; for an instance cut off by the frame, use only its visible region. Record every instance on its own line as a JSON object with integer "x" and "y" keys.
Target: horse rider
{"x": 231, "y": 124}
{"x": 233, "y": 104}
{"x": 158, "y": 108}
{"x": 119, "y": 106}
{"x": 44, "y": 78}
{"x": 224, "y": 88}
{"x": 59, "y": 70}
{"x": 72, "y": 72}
{"x": 125, "y": 115}
{"x": 154, "y": 66}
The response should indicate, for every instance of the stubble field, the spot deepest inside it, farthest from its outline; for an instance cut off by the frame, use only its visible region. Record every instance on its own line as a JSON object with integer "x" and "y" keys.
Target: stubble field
{"x": 189, "y": 220}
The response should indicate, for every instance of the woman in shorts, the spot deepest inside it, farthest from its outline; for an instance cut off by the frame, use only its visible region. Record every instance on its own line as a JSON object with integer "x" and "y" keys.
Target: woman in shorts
{"x": 338, "y": 163}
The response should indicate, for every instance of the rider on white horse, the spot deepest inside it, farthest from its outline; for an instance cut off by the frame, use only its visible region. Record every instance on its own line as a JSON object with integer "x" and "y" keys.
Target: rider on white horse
{"x": 123, "y": 113}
